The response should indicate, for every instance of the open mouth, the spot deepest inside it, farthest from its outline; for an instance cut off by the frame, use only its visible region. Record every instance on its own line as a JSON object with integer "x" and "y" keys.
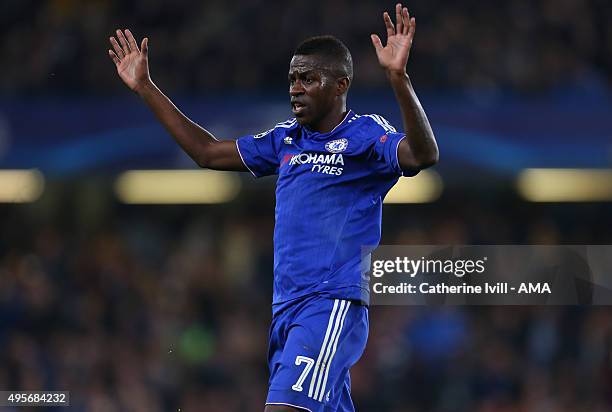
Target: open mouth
{"x": 297, "y": 108}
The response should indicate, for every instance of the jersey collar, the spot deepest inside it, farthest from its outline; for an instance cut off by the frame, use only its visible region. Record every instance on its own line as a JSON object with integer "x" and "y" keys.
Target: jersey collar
{"x": 313, "y": 134}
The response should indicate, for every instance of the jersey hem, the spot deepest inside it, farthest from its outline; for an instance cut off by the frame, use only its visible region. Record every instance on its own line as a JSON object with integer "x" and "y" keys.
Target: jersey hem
{"x": 354, "y": 293}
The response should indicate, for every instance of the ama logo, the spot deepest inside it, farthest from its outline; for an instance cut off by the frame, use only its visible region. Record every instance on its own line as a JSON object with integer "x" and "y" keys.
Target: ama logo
{"x": 336, "y": 146}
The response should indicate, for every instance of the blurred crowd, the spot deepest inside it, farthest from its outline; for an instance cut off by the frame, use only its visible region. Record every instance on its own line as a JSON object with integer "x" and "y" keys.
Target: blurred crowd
{"x": 60, "y": 46}
{"x": 168, "y": 308}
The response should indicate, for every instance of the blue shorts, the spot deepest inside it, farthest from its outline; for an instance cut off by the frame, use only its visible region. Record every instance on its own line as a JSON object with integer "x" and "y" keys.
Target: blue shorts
{"x": 314, "y": 341}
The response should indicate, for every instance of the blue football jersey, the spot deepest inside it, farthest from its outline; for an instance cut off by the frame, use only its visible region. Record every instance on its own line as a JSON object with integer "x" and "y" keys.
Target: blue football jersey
{"x": 329, "y": 197}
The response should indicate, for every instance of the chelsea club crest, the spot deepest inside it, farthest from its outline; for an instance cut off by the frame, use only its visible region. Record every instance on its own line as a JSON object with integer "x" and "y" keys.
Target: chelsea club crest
{"x": 336, "y": 146}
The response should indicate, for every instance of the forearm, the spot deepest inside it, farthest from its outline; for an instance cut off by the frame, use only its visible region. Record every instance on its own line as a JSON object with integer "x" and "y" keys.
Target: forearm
{"x": 192, "y": 138}
{"x": 420, "y": 137}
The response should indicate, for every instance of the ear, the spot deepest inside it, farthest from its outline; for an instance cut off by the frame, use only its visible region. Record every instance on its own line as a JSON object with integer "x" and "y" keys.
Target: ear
{"x": 342, "y": 86}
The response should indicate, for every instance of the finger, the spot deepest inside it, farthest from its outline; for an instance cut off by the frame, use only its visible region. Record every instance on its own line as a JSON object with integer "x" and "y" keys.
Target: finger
{"x": 114, "y": 57}
{"x": 117, "y": 48}
{"x": 376, "y": 42}
{"x": 412, "y": 29}
{"x": 388, "y": 24}
{"x": 405, "y": 20}
{"x": 124, "y": 44}
{"x": 398, "y": 19}
{"x": 131, "y": 40}
{"x": 145, "y": 46}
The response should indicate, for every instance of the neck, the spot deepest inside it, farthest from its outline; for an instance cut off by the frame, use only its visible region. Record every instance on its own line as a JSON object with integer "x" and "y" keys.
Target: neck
{"x": 331, "y": 120}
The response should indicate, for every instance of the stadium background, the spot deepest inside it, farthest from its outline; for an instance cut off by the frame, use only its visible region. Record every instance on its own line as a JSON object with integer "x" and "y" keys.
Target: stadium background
{"x": 156, "y": 308}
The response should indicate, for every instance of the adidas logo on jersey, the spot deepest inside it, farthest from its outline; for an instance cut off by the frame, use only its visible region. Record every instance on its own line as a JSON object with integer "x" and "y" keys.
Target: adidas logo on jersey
{"x": 288, "y": 140}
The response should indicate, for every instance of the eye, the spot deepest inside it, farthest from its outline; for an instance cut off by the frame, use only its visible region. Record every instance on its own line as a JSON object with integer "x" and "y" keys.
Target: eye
{"x": 309, "y": 80}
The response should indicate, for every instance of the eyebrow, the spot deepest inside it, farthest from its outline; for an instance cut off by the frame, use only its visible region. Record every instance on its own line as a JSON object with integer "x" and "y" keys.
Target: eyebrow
{"x": 301, "y": 73}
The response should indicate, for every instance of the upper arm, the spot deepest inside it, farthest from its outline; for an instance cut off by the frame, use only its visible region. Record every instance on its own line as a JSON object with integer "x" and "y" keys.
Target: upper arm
{"x": 408, "y": 160}
{"x": 395, "y": 154}
{"x": 222, "y": 155}
{"x": 405, "y": 156}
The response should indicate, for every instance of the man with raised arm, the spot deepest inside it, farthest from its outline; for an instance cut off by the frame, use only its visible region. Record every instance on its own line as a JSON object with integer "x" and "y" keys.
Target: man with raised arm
{"x": 334, "y": 169}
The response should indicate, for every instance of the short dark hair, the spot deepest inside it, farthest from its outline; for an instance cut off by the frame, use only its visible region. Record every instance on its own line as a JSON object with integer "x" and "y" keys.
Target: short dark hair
{"x": 332, "y": 50}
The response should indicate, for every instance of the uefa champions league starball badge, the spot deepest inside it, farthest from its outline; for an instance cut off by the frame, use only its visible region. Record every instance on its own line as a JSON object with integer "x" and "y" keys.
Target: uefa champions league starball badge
{"x": 336, "y": 146}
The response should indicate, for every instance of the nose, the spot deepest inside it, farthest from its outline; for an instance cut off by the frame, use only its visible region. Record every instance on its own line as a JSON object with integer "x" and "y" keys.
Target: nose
{"x": 296, "y": 88}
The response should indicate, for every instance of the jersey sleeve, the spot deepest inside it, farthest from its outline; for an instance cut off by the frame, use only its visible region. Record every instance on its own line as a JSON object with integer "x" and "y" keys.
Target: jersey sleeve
{"x": 385, "y": 147}
{"x": 259, "y": 153}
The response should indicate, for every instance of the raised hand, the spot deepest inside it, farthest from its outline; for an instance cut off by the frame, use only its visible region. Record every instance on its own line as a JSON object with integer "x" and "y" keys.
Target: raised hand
{"x": 132, "y": 63}
{"x": 394, "y": 56}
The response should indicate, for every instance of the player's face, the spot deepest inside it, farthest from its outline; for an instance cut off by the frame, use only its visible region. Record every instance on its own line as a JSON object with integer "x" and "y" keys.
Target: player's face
{"x": 313, "y": 89}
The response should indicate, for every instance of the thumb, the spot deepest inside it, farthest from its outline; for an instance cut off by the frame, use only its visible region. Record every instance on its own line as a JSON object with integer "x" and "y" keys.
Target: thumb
{"x": 144, "y": 47}
{"x": 376, "y": 42}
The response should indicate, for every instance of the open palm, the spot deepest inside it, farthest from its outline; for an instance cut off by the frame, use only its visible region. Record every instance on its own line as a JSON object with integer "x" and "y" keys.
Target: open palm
{"x": 132, "y": 63}
{"x": 394, "y": 55}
